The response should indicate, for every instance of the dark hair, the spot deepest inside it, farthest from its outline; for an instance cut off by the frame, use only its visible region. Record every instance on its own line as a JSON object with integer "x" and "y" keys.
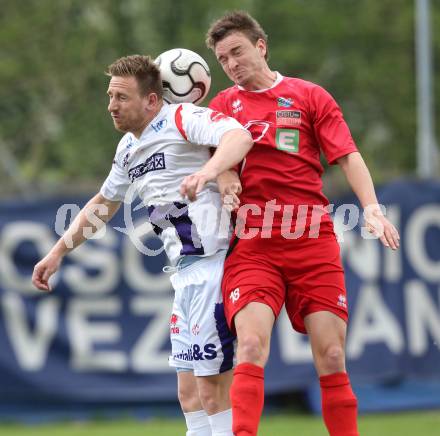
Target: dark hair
{"x": 235, "y": 21}
{"x": 142, "y": 68}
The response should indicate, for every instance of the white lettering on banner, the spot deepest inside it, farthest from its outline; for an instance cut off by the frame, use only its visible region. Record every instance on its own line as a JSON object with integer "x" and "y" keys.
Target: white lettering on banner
{"x": 30, "y": 345}
{"x": 422, "y": 316}
{"x": 135, "y": 273}
{"x": 12, "y": 235}
{"x": 87, "y": 335}
{"x": 372, "y": 322}
{"x": 139, "y": 231}
{"x": 93, "y": 315}
{"x": 294, "y": 347}
{"x": 84, "y": 334}
{"x": 99, "y": 255}
{"x": 415, "y": 242}
{"x": 146, "y": 355}
{"x": 363, "y": 257}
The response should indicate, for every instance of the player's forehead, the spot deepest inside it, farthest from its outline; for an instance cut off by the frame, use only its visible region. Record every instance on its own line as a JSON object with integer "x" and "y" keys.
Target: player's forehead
{"x": 230, "y": 42}
{"x": 126, "y": 84}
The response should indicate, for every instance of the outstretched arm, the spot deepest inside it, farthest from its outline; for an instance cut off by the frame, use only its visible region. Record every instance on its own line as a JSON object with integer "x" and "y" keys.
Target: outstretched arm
{"x": 90, "y": 219}
{"x": 359, "y": 178}
{"x": 233, "y": 147}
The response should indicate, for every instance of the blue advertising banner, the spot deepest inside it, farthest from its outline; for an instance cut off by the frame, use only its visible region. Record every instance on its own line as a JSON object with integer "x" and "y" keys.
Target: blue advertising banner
{"x": 102, "y": 334}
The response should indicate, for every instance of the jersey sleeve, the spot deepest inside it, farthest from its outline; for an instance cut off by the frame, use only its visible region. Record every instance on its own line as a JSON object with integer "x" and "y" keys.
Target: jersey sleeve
{"x": 330, "y": 128}
{"x": 117, "y": 182}
{"x": 204, "y": 126}
{"x": 217, "y": 104}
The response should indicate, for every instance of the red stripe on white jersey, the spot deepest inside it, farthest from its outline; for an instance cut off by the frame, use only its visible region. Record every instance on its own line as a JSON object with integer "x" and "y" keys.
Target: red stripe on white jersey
{"x": 179, "y": 124}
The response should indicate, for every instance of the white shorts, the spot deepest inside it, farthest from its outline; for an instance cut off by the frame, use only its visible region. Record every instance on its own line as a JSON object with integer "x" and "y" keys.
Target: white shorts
{"x": 200, "y": 338}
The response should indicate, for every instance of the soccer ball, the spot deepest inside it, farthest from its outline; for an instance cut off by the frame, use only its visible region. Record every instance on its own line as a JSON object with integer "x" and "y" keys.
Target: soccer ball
{"x": 185, "y": 76}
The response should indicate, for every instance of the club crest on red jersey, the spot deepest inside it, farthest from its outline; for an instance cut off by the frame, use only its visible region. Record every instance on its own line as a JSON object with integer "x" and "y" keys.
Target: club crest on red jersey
{"x": 285, "y": 102}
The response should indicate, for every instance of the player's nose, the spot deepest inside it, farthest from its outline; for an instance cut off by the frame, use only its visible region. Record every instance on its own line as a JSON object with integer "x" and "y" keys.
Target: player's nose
{"x": 111, "y": 105}
{"x": 232, "y": 63}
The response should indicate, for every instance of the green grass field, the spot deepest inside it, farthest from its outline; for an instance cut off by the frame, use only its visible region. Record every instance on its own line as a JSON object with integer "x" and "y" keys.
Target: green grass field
{"x": 399, "y": 424}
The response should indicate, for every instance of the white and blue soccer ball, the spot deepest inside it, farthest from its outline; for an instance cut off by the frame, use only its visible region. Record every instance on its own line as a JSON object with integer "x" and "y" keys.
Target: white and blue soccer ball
{"x": 185, "y": 76}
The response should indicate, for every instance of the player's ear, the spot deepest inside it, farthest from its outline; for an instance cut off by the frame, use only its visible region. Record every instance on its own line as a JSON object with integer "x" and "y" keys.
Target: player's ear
{"x": 151, "y": 101}
{"x": 261, "y": 46}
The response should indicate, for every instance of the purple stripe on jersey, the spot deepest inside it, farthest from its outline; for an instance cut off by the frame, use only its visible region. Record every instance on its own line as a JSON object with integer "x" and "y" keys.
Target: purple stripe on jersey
{"x": 226, "y": 338}
{"x": 176, "y": 215}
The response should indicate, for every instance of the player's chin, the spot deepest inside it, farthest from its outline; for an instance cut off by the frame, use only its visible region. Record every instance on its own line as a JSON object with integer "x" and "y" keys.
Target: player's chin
{"x": 237, "y": 79}
{"x": 241, "y": 80}
{"x": 119, "y": 126}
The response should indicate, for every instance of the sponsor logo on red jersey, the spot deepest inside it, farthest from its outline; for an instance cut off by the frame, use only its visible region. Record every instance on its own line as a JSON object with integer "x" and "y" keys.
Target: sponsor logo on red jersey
{"x": 287, "y": 140}
{"x": 237, "y": 106}
{"x": 342, "y": 301}
{"x": 288, "y": 118}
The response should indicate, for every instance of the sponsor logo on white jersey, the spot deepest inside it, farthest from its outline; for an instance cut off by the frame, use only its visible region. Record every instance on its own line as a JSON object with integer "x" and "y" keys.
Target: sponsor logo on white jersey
{"x": 174, "y": 329}
{"x": 159, "y": 125}
{"x": 195, "y": 329}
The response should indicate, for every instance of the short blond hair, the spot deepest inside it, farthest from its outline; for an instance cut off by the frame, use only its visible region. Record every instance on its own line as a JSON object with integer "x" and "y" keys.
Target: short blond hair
{"x": 142, "y": 68}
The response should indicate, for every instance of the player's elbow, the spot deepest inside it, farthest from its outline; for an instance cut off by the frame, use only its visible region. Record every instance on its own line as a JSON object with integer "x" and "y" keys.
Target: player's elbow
{"x": 246, "y": 139}
{"x": 239, "y": 140}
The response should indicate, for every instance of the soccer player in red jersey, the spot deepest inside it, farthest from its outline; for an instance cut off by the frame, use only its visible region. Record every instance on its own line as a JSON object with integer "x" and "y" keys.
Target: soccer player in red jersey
{"x": 285, "y": 250}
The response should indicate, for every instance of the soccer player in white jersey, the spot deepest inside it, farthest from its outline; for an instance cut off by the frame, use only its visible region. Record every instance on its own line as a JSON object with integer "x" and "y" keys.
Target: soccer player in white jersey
{"x": 162, "y": 145}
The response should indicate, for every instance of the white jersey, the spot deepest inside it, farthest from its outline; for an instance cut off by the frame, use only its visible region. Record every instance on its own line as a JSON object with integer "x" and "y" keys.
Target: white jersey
{"x": 175, "y": 144}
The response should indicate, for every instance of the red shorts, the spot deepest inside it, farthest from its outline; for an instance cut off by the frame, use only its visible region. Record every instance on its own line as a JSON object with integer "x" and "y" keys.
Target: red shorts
{"x": 305, "y": 273}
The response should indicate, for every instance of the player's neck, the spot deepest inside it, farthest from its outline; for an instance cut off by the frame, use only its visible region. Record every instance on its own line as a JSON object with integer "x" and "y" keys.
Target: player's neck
{"x": 151, "y": 116}
{"x": 263, "y": 80}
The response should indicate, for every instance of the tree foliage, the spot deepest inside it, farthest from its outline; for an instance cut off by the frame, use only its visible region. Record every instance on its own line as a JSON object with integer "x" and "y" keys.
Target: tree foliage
{"x": 53, "y": 102}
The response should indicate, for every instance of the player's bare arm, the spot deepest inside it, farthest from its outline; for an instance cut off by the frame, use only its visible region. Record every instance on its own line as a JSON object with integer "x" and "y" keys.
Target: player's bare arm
{"x": 230, "y": 188}
{"x": 359, "y": 178}
{"x": 233, "y": 147}
{"x": 90, "y": 219}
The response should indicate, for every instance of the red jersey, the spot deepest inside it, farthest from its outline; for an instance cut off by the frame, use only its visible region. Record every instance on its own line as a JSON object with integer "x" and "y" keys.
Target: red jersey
{"x": 291, "y": 123}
